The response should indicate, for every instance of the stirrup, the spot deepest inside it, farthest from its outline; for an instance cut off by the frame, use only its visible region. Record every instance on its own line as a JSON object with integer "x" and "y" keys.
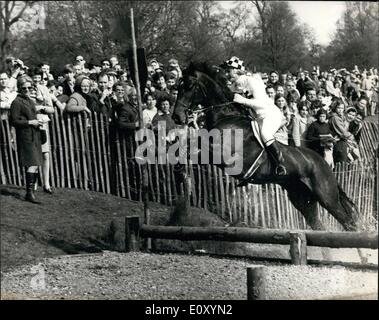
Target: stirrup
{"x": 243, "y": 183}
{"x": 280, "y": 170}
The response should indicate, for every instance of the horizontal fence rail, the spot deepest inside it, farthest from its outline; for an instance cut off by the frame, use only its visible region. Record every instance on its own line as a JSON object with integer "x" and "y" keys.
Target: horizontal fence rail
{"x": 88, "y": 153}
{"x": 270, "y": 236}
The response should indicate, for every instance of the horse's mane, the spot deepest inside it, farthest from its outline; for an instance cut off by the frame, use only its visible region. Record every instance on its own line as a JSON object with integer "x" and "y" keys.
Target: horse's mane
{"x": 214, "y": 72}
{"x": 216, "y": 75}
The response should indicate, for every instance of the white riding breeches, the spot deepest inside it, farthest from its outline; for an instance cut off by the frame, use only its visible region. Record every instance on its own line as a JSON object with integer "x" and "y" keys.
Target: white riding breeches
{"x": 269, "y": 125}
{"x": 269, "y": 116}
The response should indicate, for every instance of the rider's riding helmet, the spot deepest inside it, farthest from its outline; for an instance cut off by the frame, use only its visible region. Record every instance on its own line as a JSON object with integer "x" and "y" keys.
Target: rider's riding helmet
{"x": 235, "y": 63}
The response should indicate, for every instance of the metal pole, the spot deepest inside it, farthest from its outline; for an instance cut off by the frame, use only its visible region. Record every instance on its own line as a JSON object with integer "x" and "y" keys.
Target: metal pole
{"x": 145, "y": 178}
{"x": 137, "y": 84}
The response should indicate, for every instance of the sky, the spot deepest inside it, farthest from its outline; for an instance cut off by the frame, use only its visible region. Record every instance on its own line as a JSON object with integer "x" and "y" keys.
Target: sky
{"x": 321, "y": 16}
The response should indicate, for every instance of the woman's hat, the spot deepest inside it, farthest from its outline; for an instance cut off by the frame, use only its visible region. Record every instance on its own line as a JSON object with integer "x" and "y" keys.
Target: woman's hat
{"x": 153, "y": 60}
{"x": 173, "y": 62}
{"x": 9, "y": 59}
{"x": 79, "y": 79}
{"x": 21, "y": 80}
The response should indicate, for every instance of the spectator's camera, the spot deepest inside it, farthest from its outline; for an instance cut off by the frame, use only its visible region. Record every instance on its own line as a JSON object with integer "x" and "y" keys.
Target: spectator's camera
{"x": 16, "y": 64}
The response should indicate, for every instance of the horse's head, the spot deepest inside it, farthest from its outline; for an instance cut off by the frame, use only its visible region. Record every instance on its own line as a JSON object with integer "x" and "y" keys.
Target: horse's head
{"x": 200, "y": 85}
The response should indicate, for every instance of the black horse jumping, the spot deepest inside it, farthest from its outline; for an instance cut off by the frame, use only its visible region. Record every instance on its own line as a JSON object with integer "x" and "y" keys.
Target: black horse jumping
{"x": 309, "y": 179}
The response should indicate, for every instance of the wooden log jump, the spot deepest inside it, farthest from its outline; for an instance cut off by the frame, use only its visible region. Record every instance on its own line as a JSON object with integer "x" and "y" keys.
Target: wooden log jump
{"x": 298, "y": 240}
{"x": 271, "y": 236}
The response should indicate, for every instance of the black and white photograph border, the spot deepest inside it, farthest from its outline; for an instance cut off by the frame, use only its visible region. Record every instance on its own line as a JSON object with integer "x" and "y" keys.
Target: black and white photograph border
{"x": 262, "y": 184}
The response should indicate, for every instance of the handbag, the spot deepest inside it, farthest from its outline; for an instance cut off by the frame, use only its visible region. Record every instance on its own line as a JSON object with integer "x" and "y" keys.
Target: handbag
{"x": 43, "y": 136}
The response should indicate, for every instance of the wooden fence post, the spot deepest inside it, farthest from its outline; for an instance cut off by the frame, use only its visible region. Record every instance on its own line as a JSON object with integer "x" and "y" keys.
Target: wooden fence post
{"x": 132, "y": 227}
{"x": 187, "y": 191}
{"x": 298, "y": 248}
{"x": 114, "y": 158}
{"x": 256, "y": 283}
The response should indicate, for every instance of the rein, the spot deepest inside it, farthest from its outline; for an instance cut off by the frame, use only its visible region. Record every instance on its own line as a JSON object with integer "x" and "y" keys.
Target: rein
{"x": 210, "y": 108}
{"x": 189, "y": 110}
{"x": 203, "y": 109}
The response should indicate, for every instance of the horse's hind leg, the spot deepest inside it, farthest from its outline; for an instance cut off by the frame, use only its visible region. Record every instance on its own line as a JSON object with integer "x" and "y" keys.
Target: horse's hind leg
{"x": 334, "y": 207}
{"x": 303, "y": 200}
{"x": 345, "y": 216}
{"x": 330, "y": 197}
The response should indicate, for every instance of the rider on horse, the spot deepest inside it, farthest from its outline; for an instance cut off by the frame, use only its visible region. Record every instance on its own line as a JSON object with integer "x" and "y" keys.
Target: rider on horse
{"x": 269, "y": 117}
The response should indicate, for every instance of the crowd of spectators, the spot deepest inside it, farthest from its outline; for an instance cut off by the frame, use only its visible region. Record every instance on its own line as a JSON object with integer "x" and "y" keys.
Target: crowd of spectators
{"x": 105, "y": 88}
{"x": 323, "y": 109}
{"x": 29, "y": 96}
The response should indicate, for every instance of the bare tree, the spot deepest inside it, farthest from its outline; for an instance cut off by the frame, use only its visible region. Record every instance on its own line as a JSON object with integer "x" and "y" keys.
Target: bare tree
{"x": 234, "y": 26}
{"x": 356, "y": 37}
{"x": 282, "y": 38}
{"x": 10, "y": 13}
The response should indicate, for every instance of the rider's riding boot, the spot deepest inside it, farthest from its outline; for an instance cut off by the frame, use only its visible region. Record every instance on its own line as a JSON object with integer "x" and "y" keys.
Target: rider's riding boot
{"x": 276, "y": 158}
{"x": 31, "y": 178}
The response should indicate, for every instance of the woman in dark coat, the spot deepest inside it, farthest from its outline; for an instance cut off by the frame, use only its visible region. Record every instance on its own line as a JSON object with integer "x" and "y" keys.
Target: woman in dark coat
{"x": 320, "y": 138}
{"x": 316, "y": 130}
{"x": 163, "y": 114}
{"x": 23, "y": 117}
{"x": 340, "y": 130}
{"x": 128, "y": 119}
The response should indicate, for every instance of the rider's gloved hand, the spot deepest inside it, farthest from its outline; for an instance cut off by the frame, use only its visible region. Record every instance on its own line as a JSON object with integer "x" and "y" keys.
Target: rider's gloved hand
{"x": 229, "y": 94}
{"x": 238, "y": 98}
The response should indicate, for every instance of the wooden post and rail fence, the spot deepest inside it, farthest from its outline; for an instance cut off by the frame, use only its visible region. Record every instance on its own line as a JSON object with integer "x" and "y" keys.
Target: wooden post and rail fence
{"x": 135, "y": 230}
{"x": 256, "y": 278}
{"x": 82, "y": 158}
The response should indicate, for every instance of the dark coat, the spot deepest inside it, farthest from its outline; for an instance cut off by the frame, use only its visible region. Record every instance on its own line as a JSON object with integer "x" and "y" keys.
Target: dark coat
{"x": 67, "y": 90}
{"x": 28, "y": 137}
{"x": 126, "y": 118}
{"x": 356, "y": 129}
{"x": 170, "y": 124}
{"x": 94, "y": 104}
{"x": 313, "y": 135}
{"x": 127, "y": 115}
{"x": 304, "y": 85}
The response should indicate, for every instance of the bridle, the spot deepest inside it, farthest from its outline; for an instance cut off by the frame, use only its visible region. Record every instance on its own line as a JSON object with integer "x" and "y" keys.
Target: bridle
{"x": 199, "y": 86}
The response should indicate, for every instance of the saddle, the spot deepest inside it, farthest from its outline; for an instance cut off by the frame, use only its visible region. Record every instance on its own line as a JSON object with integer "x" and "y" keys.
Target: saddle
{"x": 249, "y": 175}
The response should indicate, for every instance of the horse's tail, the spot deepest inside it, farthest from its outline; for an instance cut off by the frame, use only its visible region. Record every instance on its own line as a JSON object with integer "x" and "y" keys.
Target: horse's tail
{"x": 350, "y": 208}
